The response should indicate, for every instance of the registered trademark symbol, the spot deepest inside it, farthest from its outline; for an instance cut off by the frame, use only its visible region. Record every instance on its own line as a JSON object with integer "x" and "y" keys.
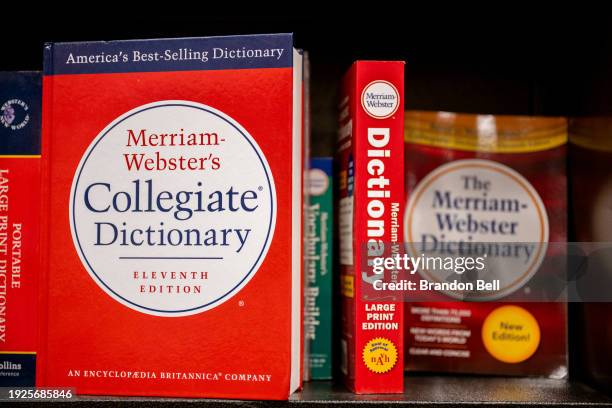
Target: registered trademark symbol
{"x": 260, "y": 188}
{"x": 241, "y": 303}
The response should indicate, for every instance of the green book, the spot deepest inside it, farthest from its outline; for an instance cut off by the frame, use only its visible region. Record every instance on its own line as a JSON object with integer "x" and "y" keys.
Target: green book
{"x": 319, "y": 276}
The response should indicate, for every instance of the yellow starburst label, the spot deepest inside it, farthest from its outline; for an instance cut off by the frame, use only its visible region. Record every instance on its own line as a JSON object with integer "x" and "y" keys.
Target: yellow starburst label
{"x": 379, "y": 355}
{"x": 511, "y": 334}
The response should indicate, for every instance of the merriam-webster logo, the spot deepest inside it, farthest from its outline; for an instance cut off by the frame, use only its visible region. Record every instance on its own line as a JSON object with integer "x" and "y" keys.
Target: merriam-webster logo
{"x": 380, "y": 99}
{"x": 478, "y": 208}
{"x": 14, "y": 114}
{"x": 173, "y": 208}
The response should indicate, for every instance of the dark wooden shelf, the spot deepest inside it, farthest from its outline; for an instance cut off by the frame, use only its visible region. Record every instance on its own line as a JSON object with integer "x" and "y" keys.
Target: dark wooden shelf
{"x": 439, "y": 391}
{"x": 421, "y": 391}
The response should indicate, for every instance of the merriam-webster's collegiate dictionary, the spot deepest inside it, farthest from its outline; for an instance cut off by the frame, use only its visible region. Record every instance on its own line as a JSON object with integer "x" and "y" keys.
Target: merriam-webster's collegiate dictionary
{"x": 173, "y": 178}
{"x": 20, "y": 200}
{"x": 370, "y": 159}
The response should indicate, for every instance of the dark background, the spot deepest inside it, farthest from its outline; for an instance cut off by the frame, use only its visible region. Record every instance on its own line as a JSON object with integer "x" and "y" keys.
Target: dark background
{"x": 499, "y": 59}
{"x": 505, "y": 60}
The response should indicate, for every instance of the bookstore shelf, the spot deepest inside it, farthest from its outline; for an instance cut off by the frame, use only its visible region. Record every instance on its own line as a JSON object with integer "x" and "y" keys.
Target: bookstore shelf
{"x": 422, "y": 390}
{"x": 475, "y": 68}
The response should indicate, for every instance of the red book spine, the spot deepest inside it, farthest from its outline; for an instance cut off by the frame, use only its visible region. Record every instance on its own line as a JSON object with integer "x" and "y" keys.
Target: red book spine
{"x": 371, "y": 160}
{"x": 19, "y": 266}
{"x": 19, "y": 226}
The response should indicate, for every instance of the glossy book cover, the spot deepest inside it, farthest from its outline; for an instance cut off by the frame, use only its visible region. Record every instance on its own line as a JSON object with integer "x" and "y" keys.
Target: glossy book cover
{"x": 173, "y": 186}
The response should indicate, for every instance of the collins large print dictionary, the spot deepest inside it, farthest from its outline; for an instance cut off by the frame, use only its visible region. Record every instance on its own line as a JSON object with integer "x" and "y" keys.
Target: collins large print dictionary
{"x": 20, "y": 164}
{"x": 173, "y": 186}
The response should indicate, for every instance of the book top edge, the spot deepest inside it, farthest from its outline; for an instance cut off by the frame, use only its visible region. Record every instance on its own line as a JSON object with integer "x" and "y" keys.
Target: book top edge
{"x": 272, "y": 36}
{"x": 169, "y": 54}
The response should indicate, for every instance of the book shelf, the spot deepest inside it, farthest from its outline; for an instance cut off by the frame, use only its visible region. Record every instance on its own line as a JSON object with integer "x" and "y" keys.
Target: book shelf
{"x": 497, "y": 68}
{"x": 421, "y": 391}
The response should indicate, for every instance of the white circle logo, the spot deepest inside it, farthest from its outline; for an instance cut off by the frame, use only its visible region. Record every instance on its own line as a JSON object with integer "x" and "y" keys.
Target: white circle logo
{"x": 380, "y": 99}
{"x": 173, "y": 208}
{"x": 473, "y": 208}
{"x": 318, "y": 182}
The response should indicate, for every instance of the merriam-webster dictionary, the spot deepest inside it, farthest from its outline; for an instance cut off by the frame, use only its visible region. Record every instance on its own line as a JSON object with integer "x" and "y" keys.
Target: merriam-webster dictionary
{"x": 370, "y": 180}
{"x": 173, "y": 191}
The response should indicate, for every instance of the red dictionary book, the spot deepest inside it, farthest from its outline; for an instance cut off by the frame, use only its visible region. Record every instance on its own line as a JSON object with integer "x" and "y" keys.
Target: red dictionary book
{"x": 20, "y": 199}
{"x": 173, "y": 197}
{"x": 370, "y": 163}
